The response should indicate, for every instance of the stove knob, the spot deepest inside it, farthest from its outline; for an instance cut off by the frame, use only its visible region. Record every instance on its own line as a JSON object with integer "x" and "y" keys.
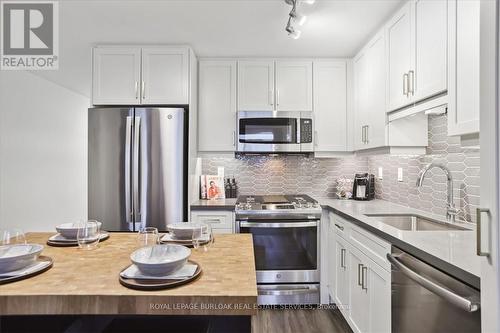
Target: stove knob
{"x": 309, "y": 204}
{"x": 248, "y": 206}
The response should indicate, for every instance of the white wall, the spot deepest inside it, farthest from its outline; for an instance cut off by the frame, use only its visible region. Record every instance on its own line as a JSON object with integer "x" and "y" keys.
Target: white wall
{"x": 43, "y": 153}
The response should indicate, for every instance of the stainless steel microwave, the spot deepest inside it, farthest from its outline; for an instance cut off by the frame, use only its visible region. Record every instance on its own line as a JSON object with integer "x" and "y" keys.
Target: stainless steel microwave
{"x": 275, "y": 132}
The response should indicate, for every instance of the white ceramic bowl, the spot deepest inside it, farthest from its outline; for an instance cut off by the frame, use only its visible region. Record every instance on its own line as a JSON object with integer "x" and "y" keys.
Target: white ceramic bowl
{"x": 70, "y": 230}
{"x": 183, "y": 230}
{"x": 18, "y": 256}
{"x": 160, "y": 259}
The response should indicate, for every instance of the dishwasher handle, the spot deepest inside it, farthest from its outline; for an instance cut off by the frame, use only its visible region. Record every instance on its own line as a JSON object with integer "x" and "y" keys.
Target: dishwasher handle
{"x": 466, "y": 304}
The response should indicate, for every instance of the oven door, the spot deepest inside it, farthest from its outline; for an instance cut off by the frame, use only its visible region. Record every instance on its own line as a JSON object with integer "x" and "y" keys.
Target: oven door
{"x": 286, "y": 251}
{"x": 269, "y": 132}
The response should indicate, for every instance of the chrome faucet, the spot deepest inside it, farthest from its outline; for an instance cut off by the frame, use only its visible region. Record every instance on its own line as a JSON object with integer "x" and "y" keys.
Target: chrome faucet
{"x": 451, "y": 211}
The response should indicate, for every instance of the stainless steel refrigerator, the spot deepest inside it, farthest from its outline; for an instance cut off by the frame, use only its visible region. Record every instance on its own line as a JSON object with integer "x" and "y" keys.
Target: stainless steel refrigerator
{"x": 137, "y": 167}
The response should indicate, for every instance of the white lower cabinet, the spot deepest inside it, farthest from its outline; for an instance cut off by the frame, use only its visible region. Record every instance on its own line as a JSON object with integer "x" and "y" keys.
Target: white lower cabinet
{"x": 358, "y": 284}
{"x": 222, "y": 222}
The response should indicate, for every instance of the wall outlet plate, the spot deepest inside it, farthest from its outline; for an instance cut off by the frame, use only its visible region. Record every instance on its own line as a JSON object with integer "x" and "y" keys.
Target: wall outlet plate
{"x": 220, "y": 172}
{"x": 400, "y": 174}
{"x": 380, "y": 173}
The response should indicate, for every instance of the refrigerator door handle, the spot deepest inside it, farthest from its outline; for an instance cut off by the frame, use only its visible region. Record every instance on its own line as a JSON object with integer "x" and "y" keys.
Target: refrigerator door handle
{"x": 136, "y": 171}
{"x": 128, "y": 146}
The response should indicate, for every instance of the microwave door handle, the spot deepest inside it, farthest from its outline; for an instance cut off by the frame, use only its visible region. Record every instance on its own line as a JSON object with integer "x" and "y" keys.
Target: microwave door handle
{"x": 466, "y": 304}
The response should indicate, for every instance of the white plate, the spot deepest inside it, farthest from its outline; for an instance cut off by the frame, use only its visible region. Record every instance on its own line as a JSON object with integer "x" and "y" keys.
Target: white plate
{"x": 58, "y": 238}
{"x": 18, "y": 256}
{"x": 160, "y": 259}
{"x": 186, "y": 271}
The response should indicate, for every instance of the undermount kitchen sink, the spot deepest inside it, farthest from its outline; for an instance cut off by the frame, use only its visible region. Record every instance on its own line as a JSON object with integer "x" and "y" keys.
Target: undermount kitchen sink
{"x": 411, "y": 222}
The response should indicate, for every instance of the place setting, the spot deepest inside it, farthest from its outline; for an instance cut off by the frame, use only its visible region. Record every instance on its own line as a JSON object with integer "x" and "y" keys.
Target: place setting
{"x": 20, "y": 260}
{"x": 84, "y": 234}
{"x": 159, "y": 264}
{"x": 190, "y": 234}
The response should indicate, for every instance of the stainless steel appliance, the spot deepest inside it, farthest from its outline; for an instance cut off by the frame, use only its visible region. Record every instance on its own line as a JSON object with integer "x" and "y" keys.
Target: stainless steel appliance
{"x": 424, "y": 299}
{"x": 137, "y": 167}
{"x": 275, "y": 132}
{"x": 285, "y": 230}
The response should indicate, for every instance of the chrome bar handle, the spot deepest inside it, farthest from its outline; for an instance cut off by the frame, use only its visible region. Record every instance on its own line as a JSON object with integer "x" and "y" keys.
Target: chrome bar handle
{"x": 360, "y": 267}
{"x": 364, "y": 278}
{"x": 234, "y": 138}
{"x": 363, "y": 134}
{"x": 270, "y": 98}
{"x": 136, "y": 170}
{"x": 278, "y": 224}
{"x": 285, "y": 292}
{"x": 136, "y": 87}
{"x": 315, "y": 138}
{"x": 342, "y": 258}
{"x": 143, "y": 90}
{"x": 128, "y": 147}
{"x": 277, "y": 97}
{"x": 405, "y": 84}
{"x": 339, "y": 226}
{"x": 411, "y": 82}
{"x": 468, "y": 305}
{"x": 479, "y": 250}
{"x": 366, "y": 134}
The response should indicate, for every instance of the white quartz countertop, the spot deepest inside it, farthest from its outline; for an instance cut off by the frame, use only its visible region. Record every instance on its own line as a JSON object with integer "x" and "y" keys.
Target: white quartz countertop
{"x": 453, "y": 251}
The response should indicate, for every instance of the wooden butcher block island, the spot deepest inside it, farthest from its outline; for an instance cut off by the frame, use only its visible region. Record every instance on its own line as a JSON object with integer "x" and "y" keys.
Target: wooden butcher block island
{"x": 86, "y": 282}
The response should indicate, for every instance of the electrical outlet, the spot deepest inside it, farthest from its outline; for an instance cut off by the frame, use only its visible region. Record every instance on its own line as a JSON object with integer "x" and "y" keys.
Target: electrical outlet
{"x": 220, "y": 172}
{"x": 380, "y": 173}
{"x": 400, "y": 174}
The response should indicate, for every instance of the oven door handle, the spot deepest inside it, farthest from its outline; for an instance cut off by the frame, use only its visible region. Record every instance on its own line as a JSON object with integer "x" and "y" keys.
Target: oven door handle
{"x": 278, "y": 224}
{"x": 286, "y": 292}
{"x": 466, "y": 304}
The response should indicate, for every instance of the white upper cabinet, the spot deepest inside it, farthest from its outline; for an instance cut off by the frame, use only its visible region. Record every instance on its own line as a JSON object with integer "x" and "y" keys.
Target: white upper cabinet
{"x": 116, "y": 76}
{"x": 330, "y": 106}
{"x": 135, "y": 75}
{"x": 293, "y": 85}
{"x": 417, "y": 52}
{"x": 463, "y": 94}
{"x": 256, "y": 85}
{"x": 369, "y": 95}
{"x": 217, "y": 105}
{"x": 430, "y": 70}
{"x": 165, "y": 75}
{"x": 399, "y": 58}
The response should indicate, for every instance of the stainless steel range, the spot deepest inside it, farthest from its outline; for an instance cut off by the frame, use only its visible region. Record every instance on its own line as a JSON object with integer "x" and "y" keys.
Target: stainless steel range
{"x": 285, "y": 230}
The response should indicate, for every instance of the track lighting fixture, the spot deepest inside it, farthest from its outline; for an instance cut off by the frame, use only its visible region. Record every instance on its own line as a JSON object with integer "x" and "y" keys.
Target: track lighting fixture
{"x": 295, "y": 17}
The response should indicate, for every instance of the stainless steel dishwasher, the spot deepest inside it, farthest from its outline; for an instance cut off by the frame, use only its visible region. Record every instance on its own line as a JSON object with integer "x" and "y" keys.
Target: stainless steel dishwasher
{"x": 424, "y": 299}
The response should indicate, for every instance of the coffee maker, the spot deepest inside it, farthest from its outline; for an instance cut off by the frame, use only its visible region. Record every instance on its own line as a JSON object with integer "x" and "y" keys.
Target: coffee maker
{"x": 364, "y": 187}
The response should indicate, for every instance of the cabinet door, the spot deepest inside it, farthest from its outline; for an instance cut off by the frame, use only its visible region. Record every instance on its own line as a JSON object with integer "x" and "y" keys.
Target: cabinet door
{"x": 361, "y": 98}
{"x": 116, "y": 76}
{"x": 431, "y": 64}
{"x": 330, "y": 105}
{"x": 359, "y": 300}
{"x": 375, "y": 131}
{"x": 217, "y": 106}
{"x": 399, "y": 52}
{"x": 293, "y": 85}
{"x": 463, "y": 92}
{"x": 378, "y": 284}
{"x": 165, "y": 75}
{"x": 341, "y": 276}
{"x": 333, "y": 259}
{"x": 256, "y": 85}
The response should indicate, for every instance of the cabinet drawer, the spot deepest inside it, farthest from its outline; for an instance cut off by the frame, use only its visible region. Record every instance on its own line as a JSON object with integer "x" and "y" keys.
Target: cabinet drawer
{"x": 217, "y": 220}
{"x": 373, "y": 246}
{"x": 340, "y": 225}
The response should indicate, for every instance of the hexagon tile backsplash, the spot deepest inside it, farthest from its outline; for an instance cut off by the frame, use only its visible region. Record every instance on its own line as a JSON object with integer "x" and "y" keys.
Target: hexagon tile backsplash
{"x": 317, "y": 176}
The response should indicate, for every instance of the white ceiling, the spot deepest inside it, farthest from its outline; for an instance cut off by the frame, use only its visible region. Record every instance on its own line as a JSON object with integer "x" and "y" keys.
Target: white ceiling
{"x": 335, "y": 28}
